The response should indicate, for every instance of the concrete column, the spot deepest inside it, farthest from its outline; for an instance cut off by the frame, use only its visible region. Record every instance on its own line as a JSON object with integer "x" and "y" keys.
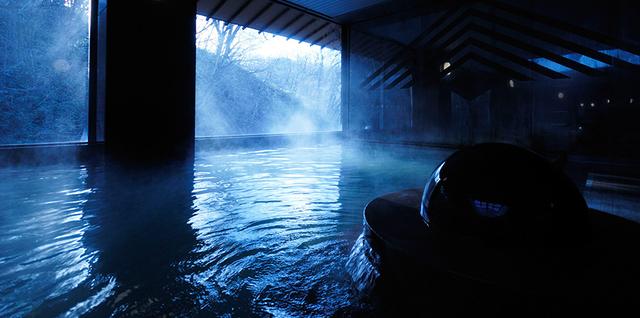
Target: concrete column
{"x": 150, "y": 77}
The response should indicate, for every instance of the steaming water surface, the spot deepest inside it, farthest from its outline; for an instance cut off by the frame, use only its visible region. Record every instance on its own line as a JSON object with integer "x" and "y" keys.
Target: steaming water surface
{"x": 235, "y": 233}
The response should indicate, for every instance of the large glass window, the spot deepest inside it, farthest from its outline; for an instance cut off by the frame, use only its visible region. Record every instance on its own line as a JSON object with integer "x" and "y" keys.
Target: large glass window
{"x": 44, "y": 48}
{"x": 258, "y": 83}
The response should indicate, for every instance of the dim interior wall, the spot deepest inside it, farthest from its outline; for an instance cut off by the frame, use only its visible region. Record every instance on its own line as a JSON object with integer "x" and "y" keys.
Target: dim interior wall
{"x": 374, "y": 109}
{"x": 543, "y": 114}
{"x": 150, "y": 77}
{"x": 530, "y": 114}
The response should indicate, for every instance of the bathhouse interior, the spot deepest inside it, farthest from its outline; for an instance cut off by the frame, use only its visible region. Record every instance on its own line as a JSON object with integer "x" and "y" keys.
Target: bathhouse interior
{"x": 215, "y": 158}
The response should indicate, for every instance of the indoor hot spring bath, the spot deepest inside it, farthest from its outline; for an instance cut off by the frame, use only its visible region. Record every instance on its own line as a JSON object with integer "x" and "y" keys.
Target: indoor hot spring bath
{"x": 249, "y": 232}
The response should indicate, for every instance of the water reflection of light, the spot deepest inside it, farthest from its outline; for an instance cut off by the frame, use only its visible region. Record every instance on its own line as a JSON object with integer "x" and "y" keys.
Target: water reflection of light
{"x": 260, "y": 212}
{"x": 93, "y": 301}
{"x": 42, "y": 235}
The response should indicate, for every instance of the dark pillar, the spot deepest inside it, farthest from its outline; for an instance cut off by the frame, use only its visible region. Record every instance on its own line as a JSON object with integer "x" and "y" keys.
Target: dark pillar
{"x": 150, "y": 78}
{"x": 93, "y": 73}
{"x": 346, "y": 76}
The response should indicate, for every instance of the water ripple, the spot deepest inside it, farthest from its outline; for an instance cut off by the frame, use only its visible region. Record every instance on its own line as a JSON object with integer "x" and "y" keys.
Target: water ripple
{"x": 276, "y": 226}
{"x": 237, "y": 233}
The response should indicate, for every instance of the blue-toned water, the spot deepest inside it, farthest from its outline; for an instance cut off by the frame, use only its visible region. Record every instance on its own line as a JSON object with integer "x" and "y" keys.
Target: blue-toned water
{"x": 234, "y": 233}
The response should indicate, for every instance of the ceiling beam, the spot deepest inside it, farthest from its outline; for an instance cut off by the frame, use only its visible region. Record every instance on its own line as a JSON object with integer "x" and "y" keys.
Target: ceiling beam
{"x": 238, "y": 11}
{"x": 258, "y": 14}
{"x": 418, "y": 39}
{"x": 216, "y": 9}
{"x": 274, "y": 19}
{"x": 290, "y": 23}
{"x": 302, "y": 28}
{"x": 314, "y": 32}
{"x": 556, "y": 40}
{"x": 482, "y": 60}
{"x": 535, "y": 67}
{"x": 568, "y": 27}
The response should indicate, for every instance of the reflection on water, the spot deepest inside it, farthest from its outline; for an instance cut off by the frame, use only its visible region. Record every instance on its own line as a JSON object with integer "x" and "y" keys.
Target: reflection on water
{"x": 42, "y": 230}
{"x": 241, "y": 233}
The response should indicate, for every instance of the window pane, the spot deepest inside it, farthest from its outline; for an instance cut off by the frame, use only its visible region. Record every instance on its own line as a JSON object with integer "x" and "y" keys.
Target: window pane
{"x": 252, "y": 83}
{"x": 43, "y": 70}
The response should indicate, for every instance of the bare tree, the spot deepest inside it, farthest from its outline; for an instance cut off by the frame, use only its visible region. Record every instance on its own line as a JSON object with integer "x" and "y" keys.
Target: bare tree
{"x": 229, "y": 45}
{"x": 222, "y": 36}
{"x": 43, "y": 70}
{"x": 242, "y": 90}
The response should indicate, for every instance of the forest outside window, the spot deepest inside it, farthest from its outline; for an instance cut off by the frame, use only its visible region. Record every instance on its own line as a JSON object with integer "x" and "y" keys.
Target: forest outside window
{"x": 259, "y": 83}
{"x": 44, "y": 63}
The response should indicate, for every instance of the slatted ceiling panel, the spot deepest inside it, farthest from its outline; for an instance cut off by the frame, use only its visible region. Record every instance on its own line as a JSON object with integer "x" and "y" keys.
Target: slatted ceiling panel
{"x": 316, "y": 31}
{"x": 505, "y": 40}
{"x": 358, "y": 44}
{"x": 396, "y": 73}
{"x": 330, "y": 40}
{"x": 517, "y": 68}
{"x": 302, "y": 27}
{"x": 385, "y": 52}
{"x": 334, "y": 8}
{"x": 274, "y": 17}
{"x": 372, "y": 47}
{"x": 401, "y": 80}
